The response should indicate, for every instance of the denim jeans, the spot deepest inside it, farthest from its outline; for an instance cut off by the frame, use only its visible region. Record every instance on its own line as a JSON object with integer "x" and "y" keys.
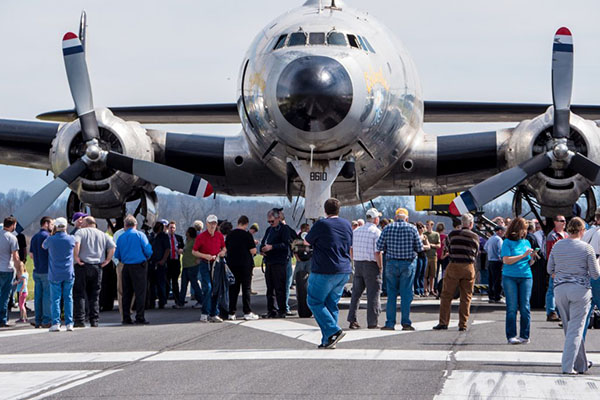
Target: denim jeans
{"x": 399, "y": 279}
{"x": 550, "y": 304}
{"x": 41, "y": 296}
{"x": 419, "y": 286}
{"x": 188, "y": 275}
{"x": 518, "y": 293}
{"x": 289, "y": 274}
{"x": 64, "y": 290}
{"x": 324, "y": 293}
{"x": 208, "y": 307}
{"x": 595, "y": 283}
{"x": 6, "y": 280}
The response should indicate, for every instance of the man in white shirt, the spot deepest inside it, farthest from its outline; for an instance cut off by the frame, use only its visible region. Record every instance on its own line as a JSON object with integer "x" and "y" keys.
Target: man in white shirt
{"x": 367, "y": 270}
{"x": 9, "y": 259}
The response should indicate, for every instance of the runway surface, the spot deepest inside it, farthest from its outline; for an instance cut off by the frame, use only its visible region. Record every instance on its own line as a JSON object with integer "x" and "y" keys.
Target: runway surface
{"x": 178, "y": 357}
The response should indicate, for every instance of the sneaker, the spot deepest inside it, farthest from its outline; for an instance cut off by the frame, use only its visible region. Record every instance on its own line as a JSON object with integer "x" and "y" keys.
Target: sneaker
{"x": 440, "y": 327}
{"x": 70, "y": 328}
{"x": 333, "y": 339}
{"x": 178, "y": 306}
{"x": 231, "y": 317}
{"x": 20, "y": 320}
{"x": 203, "y": 318}
{"x": 374, "y": 327}
{"x": 462, "y": 329}
{"x": 290, "y": 313}
{"x": 216, "y": 318}
{"x": 197, "y": 305}
{"x": 552, "y": 317}
{"x": 524, "y": 341}
{"x": 407, "y": 327}
{"x": 388, "y": 328}
{"x": 354, "y": 325}
{"x": 54, "y": 328}
{"x": 250, "y": 317}
{"x": 514, "y": 340}
{"x": 79, "y": 325}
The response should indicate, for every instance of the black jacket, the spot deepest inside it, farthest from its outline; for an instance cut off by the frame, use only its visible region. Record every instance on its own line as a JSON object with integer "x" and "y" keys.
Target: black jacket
{"x": 280, "y": 237}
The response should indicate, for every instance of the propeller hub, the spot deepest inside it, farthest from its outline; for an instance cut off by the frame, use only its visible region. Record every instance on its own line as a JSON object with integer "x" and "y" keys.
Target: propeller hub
{"x": 561, "y": 150}
{"x": 93, "y": 150}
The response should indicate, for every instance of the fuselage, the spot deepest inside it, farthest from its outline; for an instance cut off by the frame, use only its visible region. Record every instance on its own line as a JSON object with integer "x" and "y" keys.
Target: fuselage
{"x": 327, "y": 84}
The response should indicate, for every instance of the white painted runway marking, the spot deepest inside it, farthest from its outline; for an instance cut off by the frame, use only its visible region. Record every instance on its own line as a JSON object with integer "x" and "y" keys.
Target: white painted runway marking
{"x": 312, "y": 334}
{"x": 519, "y": 357}
{"x": 338, "y": 354}
{"x": 50, "y": 358}
{"x": 512, "y": 385}
{"x": 24, "y": 384}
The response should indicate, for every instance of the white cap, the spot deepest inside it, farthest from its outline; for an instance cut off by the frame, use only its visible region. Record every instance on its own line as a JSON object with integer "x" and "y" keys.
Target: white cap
{"x": 60, "y": 223}
{"x": 373, "y": 213}
{"x": 212, "y": 218}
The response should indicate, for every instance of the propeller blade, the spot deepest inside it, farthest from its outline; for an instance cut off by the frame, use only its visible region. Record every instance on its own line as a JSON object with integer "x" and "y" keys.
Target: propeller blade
{"x": 37, "y": 204}
{"x": 586, "y": 167}
{"x": 79, "y": 83}
{"x": 161, "y": 175}
{"x": 498, "y": 184}
{"x": 562, "y": 82}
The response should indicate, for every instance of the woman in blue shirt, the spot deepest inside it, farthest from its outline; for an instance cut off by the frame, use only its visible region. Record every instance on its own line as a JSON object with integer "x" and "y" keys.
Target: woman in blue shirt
{"x": 517, "y": 279}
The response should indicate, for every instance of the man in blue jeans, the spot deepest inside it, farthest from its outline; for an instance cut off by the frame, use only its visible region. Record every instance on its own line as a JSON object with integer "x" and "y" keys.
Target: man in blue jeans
{"x": 331, "y": 240}
{"x": 400, "y": 242}
{"x": 40, "y": 274}
{"x": 9, "y": 258}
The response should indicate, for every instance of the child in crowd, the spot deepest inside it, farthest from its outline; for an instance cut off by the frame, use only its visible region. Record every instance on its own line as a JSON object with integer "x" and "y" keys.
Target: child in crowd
{"x": 22, "y": 292}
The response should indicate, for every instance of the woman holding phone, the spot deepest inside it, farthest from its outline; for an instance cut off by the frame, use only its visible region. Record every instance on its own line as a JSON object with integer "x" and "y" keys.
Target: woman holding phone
{"x": 571, "y": 264}
{"x": 517, "y": 279}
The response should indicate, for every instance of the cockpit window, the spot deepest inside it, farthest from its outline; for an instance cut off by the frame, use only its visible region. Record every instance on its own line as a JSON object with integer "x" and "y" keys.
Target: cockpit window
{"x": 353, "y": 41}
{"x": 336, "y": 39}
{"x": 280, "y": 42}
{"x": 297, "y": 39}
{"x": 362, "y": 43}
{"x": 369, "y": 45}
{"x": 316, "y": 38}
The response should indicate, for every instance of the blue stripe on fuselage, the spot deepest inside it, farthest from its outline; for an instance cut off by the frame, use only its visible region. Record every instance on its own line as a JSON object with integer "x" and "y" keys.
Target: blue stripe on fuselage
{"x": 72, "y": 50}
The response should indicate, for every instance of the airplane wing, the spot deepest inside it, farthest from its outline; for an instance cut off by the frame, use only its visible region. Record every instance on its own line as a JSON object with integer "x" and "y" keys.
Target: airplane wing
{"x": 227, "y": 113}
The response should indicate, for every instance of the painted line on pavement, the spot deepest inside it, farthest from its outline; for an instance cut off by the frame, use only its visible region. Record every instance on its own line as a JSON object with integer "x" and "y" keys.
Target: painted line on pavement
{"x": 62, "y": 358}
{"x": 24, "y": 384}
{"x": 339, "y": 354}
{"x": 462, "y": 384}
{"x": 312, "y": 334}
{"x": 33, "y": 331}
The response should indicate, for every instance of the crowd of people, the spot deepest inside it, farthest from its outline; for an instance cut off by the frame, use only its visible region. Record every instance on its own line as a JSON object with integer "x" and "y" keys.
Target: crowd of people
{"x": 396, "y": 258}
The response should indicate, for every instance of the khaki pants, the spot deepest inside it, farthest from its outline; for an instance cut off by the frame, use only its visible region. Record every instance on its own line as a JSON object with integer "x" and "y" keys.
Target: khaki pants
{"x": 120, "y": 289}
{"x": 457, "y": 275}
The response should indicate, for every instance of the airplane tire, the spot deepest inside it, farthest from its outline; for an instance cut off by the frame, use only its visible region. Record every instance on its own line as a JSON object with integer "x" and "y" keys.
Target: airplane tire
{"x": 301, "y": 293}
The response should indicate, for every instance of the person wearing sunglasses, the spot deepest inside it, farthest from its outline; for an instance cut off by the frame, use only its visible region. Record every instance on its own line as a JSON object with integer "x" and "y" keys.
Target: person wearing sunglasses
{"x": 276, "y": 250}
{"x": 557, "y": 234}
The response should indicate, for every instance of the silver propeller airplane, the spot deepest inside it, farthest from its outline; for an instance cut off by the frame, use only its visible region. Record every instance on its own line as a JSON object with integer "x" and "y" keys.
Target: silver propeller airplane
{"x": 330, "y": 104}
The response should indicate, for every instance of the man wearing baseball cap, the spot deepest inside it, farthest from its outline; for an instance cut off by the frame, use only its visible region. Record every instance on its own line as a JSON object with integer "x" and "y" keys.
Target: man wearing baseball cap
{"x": 400, "y": 242}
{"x": 367, "y": 270}
{"x": 209, "y": 245}
{"x": 61, "y": 274}
{"x": 77, "y": 220}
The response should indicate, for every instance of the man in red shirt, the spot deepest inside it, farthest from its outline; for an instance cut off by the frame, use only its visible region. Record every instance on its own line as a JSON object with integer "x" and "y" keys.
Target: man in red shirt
{"x": 554, "y": 236}
{"x": 209, "y": 245}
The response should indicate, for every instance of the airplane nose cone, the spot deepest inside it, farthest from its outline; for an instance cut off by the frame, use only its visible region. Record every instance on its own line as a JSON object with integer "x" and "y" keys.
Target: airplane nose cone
{"x": 314, "y": 93}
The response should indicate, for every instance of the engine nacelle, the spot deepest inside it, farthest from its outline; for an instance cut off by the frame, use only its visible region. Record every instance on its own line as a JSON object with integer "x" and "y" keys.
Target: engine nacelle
{"x": 104, "y": 189}
{"x": 556, "y": 188}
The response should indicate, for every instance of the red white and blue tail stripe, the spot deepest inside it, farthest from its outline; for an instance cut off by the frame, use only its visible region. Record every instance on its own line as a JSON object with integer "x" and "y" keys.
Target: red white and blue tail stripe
{"x": 462, "y": 204}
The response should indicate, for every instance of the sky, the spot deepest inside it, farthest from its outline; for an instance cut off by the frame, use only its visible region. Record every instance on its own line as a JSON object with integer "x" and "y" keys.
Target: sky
{"x": 177, "y": 52}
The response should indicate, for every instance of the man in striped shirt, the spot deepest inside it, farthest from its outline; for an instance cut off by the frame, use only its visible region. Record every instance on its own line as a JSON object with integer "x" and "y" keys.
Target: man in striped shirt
{"x": 367, "y": 270}
{"x": 463, "y": 248}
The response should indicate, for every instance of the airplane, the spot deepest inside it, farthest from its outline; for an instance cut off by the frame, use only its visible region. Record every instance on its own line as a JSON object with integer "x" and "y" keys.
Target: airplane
{"x": 330, "y": 105}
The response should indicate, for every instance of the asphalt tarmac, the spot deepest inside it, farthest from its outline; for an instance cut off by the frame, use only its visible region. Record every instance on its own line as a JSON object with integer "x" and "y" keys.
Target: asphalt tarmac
{"x": 178, "y": 357}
